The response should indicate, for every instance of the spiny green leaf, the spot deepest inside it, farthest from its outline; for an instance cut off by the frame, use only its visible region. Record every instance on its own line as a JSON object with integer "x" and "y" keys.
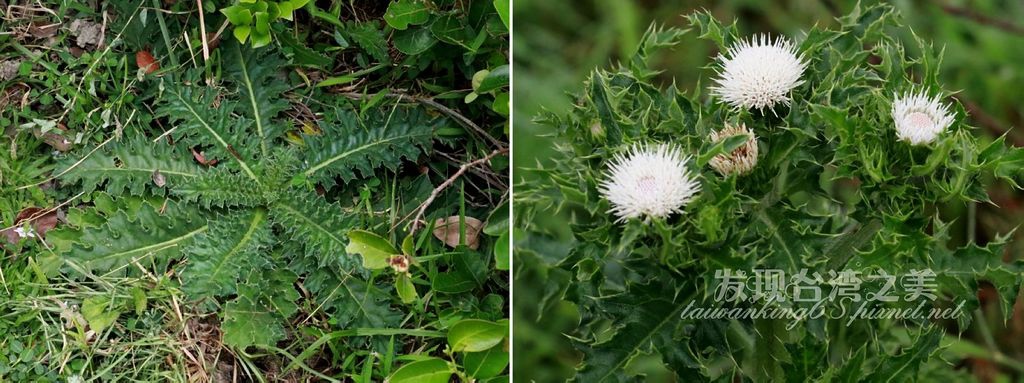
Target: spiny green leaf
{"x": 129, "y": 164}
{"x": 370, "y": 38}
{"x": 199, "y": 122}
{"x": 320, "y": 226}
{"x": 349, "y": 143}
{"x": 256, "y": 73}
{"x": 149, "y": 236}
{"x": 223, "y": 188}
{"x": 234, "y": 244}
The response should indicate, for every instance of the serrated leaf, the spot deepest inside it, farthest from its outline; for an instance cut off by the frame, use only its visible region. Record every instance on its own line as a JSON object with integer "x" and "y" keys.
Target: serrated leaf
{"x": 247, "y": 322}
{"x": 222, "y": 188}
{"x": 260, "y": 87}
{"x": 234, "y": 244}
{"x": 317, "y": 224}
{"x": 385, "y": 136}
{"x": 129, "y": 165}
{"x": 146, "y": 236}
{"x": 644, "y": 314}
{"x": 370, "y": 38}
{"x": 198, "y": 122}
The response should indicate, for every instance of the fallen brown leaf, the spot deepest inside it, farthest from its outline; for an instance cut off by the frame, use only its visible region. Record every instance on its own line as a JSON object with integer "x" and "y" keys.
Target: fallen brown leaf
{"x": 89, "y": 34}
{"x": 40, "y": 224}
{"x": 146, "y": 61}
{"x": 447, "y": 230}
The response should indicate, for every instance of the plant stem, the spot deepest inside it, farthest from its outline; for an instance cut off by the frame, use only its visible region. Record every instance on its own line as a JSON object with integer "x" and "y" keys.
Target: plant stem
{"x": 972, "y": 221}
{"x": 167, "y": 35}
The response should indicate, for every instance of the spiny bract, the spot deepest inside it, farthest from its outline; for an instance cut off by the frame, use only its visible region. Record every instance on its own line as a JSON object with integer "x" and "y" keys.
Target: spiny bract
{"x": 742, "y": 159}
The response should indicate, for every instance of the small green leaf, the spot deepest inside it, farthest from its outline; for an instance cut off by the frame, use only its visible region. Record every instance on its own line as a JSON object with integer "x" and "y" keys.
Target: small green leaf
{"x": 475, "y": 335}
{"x": 497, "y": 222}
{"x": 486, "y": 364}
{"x": 375, "y": 249}
{"x": 139, "y": 297}
{"x": 98, "y": 313}
{"x": 431, "y": 370}
{"x": 478, "y": 78}
{"x": 261, "y": 31}
{"x": 330, "y": 81}
{"x": 409, "y": 246}
{"x": 414, "y": 41}
{"x": 502, "y": 6}
{"x": 501, "y": 252}
{"x": 402, "y": 13}
{"x": 406, "y": 289}
{"x": 238, "y": 15}
{"x": 495, "y": 79}
{"x": 241, "y": 33}
{"x": 500, "y": 104}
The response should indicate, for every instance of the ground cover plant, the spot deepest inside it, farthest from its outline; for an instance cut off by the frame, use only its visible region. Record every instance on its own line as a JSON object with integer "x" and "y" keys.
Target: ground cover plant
{"x": 254, "y": 191}
{"x": 824, "y": 155}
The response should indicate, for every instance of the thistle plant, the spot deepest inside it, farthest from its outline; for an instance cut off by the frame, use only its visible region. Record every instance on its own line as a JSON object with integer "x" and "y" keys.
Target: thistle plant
{"x": 820, "y": 156}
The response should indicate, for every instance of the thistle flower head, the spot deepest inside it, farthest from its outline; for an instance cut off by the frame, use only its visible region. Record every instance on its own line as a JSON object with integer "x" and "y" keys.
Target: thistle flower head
{"x": 742, "y": 159}
{"x": 920, "y": 119}
{"x": 759, "y": 73}
{"x": 649, "y": 181}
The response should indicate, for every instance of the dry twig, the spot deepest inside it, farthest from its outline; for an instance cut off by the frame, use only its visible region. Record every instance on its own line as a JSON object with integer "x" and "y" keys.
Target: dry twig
{"x": 444, "y": 185}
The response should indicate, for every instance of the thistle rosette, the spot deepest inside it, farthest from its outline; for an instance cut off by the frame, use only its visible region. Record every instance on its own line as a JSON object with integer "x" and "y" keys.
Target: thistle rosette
{"x": 920, "y": 119}
{"x": 742, "y": 159}
{"x": 759, "y": 73}
{"x": 649, "y": 181}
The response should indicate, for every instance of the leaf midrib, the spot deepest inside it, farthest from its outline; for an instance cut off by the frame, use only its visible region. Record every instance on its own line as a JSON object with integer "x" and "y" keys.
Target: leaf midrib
{"x": 303, "y": 217}
{"x": 257, "y": 217}
{"x": 140, "y": 170}
{"x": 331, "y": 160}
{"x": 220, "y": 139}
{"x": 252, "y": 100}
{"x": 157, "y": 246}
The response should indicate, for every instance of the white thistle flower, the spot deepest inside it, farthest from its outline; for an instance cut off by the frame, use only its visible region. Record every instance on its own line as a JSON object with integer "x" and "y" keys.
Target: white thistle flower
{"x": 743, "y": 159}
{"x": 649, "y": 181}
{"x": 759, "y": 73}
{"x": 920, "y": 119}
